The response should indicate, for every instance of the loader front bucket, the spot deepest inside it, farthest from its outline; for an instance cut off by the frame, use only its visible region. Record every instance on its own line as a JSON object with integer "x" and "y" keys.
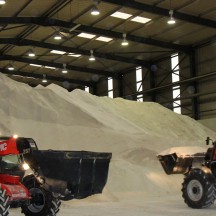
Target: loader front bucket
{"x": 174, "y": 164}
{"x": 73, "y": 174}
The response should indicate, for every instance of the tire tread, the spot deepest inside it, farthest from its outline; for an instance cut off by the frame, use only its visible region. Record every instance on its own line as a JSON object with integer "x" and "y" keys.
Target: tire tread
{"x": 209, "y": 189}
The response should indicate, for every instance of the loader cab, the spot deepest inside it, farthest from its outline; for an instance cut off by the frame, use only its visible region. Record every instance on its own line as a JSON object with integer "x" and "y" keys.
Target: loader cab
{"x": 22, "y": 143}
{"x": 26, "y": 145}
{"x": 13, "y": 155}
{"x": 11, "y": 165}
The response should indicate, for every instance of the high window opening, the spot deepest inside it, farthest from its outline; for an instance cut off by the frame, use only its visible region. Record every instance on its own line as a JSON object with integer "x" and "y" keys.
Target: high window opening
{"x": 86, "y": 88}
{"x": 110, "y": 87}
{"x": 175, "y": 78}
{"x": 139, "y": 86}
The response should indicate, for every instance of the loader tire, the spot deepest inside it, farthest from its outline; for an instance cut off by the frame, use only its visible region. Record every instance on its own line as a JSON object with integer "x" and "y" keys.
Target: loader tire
{"x": 43, "y": 202}
{"x": 4, "y": 203}
{"x": 198, "y": 189}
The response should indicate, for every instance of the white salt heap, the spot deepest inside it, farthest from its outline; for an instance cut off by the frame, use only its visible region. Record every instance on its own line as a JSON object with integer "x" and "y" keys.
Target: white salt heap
{"x": 134, "y": 132}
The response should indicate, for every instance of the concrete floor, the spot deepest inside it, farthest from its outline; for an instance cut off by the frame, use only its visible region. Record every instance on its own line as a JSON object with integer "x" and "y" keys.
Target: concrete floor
{"x": 149, "y": 206}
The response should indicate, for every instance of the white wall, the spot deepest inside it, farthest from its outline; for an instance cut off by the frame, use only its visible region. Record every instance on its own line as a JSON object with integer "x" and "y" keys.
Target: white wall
{"x": 210, "y": 123}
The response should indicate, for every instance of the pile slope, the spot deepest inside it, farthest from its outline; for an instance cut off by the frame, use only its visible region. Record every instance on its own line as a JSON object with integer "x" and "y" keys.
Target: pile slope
{"x": 134, "y": 132}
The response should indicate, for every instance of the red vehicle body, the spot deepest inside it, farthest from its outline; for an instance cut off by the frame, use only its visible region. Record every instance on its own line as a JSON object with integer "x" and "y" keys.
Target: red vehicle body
{"x": 10, "y": 183}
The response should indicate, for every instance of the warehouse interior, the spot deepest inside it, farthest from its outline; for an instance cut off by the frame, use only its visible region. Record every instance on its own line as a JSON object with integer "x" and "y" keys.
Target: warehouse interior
{"x": 30, "y": 26}
{"x": 143, "y": 62}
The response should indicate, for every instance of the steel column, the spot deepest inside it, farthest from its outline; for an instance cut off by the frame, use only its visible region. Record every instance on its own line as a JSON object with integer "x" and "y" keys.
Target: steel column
{"x": 120, "y": 85}
{"x": 193, "y": 72}
{"x": 152, "y": 84}
{"x": 95, "y": 89}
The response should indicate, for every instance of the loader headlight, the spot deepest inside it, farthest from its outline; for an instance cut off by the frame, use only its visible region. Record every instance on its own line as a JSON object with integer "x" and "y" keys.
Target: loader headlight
{"x": 25, "y": 166}
{"x": 15, "y": 136}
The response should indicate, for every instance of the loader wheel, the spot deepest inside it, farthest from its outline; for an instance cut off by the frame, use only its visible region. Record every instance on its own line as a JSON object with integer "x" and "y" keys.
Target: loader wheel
{"x": 4, "y": 204}
{"x": 43, "y": 203}
{"x": 198, "y": 189}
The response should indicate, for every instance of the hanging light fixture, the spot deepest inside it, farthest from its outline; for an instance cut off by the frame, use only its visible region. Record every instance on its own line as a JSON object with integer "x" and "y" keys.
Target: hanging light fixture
{"x": 31, "y": 53}
{"x": 171, "y": 20}
{"x": 10, "y": 67}
{"x": 64, "y": 70}
{"x": 57, "y": 36}
{"x": 2, "y": 2}
{"x": 91, "y": 57}
{"x": 94, "y": 10}
{"x": 44, "y": 80}
{"x": 124, "y": 41}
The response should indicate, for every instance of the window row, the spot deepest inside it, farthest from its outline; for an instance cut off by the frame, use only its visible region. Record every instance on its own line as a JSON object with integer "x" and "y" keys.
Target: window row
{"x": 139, "y": 84}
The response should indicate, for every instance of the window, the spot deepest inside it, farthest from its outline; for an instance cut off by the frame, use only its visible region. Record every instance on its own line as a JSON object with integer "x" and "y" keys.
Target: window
{"x": 175, "y": 78}
{"x": 139, "y": 86}
{"x": 86, "y": 88}
{"x": 110, "y": 87}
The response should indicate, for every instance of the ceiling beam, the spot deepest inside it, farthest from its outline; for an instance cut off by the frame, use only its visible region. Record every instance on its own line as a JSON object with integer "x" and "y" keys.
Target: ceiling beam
{"x": 206, "y": 42}
{"x": 26, "y": 42}
{"x": 41, "y": 21}
{"x": 137, "y": 39}
{"x": 56, "y": 65}
{"x": 40, "y": 76}
{"x": 163, "y": 12}
{"x": 90, "y": 29}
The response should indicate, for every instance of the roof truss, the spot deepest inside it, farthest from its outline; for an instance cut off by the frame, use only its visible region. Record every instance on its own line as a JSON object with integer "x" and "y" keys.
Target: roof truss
{"x": 56, "y": 65}
{"x": 90, "y": 29}
{"x": 163, "y": 12}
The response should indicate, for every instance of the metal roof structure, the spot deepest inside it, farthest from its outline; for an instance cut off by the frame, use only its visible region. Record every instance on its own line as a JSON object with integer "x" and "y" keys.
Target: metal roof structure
{"x": 31, "y": 25}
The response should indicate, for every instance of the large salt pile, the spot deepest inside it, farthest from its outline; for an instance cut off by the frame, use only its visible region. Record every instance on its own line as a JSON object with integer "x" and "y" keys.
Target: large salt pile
{"x": 134, "y": 132}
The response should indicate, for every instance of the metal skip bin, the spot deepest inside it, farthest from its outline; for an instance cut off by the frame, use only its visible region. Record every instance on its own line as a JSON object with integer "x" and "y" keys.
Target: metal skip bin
{"x": 73, "y": 174}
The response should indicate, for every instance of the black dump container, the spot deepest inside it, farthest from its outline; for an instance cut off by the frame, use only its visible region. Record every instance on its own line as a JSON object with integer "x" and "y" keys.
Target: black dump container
{"x": 73, "y": 174}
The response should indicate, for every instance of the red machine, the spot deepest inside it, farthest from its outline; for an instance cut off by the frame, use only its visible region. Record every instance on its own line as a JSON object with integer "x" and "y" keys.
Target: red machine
{"x": 56, "y": 175}
{"x": 11, "y": 190}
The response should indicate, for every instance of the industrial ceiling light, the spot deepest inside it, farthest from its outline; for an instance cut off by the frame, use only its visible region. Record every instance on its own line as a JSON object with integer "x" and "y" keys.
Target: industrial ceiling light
{"x": 91, "y": 57}
{"x": 64, "y": 70}
{"x": 124, "y": 41}
{"x": 2, "y": 2}
{"x": 57, "y": 36}
{"x": 31, "y": 53}
{"x": 10, "y": 67}
{"x": 94, "y": 10}
{"x": 171, "y": 20}
{"x": 44, "y": 80}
